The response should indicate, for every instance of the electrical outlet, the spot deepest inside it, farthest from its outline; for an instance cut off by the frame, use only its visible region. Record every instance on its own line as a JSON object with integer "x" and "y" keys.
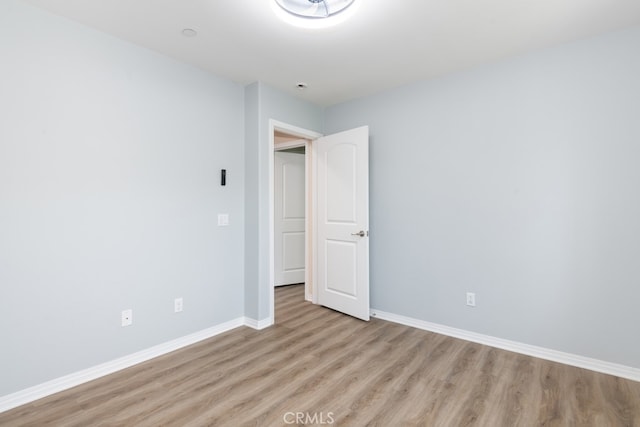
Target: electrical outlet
{"x": 127, "y": 317}
{"x": 177, "y": 305}
{"x": 471, "y": 299}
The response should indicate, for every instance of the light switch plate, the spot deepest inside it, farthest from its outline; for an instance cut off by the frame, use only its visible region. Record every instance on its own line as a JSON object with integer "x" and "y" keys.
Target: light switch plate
{"x": 223, "y": 220}
{"x": 471, "y": 299}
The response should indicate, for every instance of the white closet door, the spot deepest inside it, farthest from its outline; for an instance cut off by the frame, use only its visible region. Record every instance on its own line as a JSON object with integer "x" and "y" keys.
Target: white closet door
{"x": 289, "y": 210}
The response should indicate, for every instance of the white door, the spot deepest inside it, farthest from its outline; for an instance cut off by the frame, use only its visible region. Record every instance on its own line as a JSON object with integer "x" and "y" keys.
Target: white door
{"x": 289, "y": 214}
{"x": 342, "y": 227}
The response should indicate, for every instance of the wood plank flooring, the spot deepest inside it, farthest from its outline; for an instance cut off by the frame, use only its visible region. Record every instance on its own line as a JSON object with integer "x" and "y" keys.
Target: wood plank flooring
{"x": 319, "y": 367}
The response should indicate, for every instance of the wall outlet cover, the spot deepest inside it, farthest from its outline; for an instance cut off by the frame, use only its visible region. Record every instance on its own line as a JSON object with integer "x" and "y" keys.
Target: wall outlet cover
{"x": 178, "y": 305}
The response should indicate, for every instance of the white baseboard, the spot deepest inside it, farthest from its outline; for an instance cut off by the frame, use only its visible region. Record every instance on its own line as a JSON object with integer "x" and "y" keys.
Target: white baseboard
{"x": 63, "y": 383}
{"x": 257, "y": 324}
{"x": 517, "y": 347}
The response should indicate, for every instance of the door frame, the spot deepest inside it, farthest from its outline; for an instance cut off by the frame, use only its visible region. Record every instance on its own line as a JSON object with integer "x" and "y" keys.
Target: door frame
{"x": 310, "y": 136}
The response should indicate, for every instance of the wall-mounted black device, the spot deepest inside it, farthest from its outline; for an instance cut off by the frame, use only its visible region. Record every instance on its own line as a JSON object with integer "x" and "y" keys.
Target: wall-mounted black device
{"x": 223, "y": 177}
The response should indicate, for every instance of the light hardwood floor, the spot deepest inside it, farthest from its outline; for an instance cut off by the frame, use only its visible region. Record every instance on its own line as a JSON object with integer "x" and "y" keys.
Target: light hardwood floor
{"x": 332, "y": 367}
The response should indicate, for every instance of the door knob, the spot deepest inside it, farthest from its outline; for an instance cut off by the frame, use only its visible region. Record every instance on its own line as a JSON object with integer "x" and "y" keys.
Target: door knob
{"x": 359, "y": 233}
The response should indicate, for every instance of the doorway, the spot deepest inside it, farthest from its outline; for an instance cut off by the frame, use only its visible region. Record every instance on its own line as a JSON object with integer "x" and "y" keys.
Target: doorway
{"x": 336, "y": 220}
{"x": 284, "y": 137}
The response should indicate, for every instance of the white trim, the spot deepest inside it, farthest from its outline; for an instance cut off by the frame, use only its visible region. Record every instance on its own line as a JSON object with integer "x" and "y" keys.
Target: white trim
{"x": 257, "y": 324}
{"x": 48, "y": 388}
{"x": 289, "y": 144}
{"x": 272, "y": 259}
{"x": 314, "y": 221}
{"x": 309, "y": 284}
{"x": 517, "y": 347}
{"x": 292, "y": 130}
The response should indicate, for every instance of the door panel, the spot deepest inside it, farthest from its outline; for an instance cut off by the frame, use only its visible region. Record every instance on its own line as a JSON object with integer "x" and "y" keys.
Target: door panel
{"x": 293, "y": 251}
{"x": 340, "y": 268}
{"x": 292, "y": 186}
{"x": 342, "y": 191}
{"x": 289, "y": 214}
{"x": 341, "y": 183}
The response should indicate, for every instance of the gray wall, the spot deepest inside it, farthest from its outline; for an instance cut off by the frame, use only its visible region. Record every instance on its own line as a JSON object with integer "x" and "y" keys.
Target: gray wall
{"x": 262, "y": 104}
{"x": 252, "y": 199}
{"x": 517, "y": 181}
{"x": 109, "y": 191}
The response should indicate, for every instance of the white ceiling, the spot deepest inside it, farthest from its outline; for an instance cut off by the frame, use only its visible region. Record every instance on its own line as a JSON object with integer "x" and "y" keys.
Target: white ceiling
{"x": 387, "y": 43}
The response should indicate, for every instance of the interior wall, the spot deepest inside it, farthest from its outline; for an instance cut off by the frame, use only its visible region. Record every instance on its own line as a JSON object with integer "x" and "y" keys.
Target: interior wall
{"x": 251, "y": 199}
{"x": 522, "y": 186}
{"x": 265, "y": 104}
{"x": 110, "y": 157}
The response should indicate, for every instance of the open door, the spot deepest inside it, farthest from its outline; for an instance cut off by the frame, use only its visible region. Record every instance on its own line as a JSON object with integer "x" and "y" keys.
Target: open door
{"x": 342, "y": 225}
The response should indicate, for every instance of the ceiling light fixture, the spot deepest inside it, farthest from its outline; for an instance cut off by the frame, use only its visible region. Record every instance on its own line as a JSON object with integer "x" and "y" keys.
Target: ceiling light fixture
{"x": 314, "y": 8}
{"x": 314, "y": 13}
